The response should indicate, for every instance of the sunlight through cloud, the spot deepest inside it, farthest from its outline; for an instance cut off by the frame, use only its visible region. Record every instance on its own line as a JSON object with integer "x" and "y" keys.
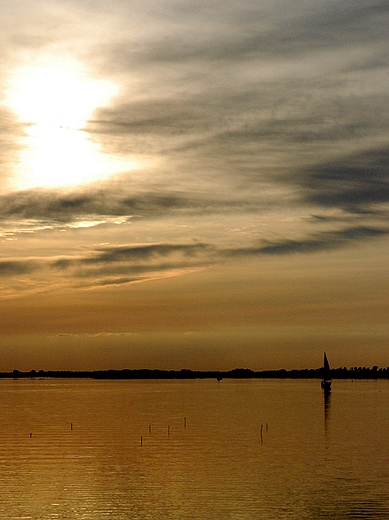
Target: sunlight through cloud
{"x": 53, "y": 99}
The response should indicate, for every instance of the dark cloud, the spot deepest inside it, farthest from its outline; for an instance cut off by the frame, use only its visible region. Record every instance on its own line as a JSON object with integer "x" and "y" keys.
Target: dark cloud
{"x": 118, "y": 281}
{"x": 138, "y": 271}
{"x": 114, "y": 274}
{"x": 121, "y": 264}
{"x": 133, "y": 254}
{"x": 64, "y": 206}
{"x": 141, "y": 259}
{"x": 288, "y": 110}
{"x": 17, "y": 267}
{"x": 357, "y": 184}
{"x": 253, "y": 121}
{"x": 127, "y": 264}
{"x": 320, "y": 242}
{"x": 332, "y": 25}
{"x": 234, "y": 32}
{"x": 119, "y": 199}
{"x": 145, "y": 252}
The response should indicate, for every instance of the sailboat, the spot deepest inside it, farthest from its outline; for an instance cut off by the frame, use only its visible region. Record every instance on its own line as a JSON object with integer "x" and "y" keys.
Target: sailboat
{"x": 326, "y": 382}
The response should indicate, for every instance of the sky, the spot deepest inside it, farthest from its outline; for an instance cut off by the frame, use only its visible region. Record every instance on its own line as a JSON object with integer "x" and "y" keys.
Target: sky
{"x": 193, "y": 184}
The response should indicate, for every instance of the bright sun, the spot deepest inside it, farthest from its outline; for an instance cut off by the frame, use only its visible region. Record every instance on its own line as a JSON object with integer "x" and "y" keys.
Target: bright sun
{"x": 53, "y": 100}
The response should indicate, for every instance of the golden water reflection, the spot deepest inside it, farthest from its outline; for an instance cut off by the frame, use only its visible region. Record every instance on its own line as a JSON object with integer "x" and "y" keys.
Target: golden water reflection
{"x": 85, "y": 458}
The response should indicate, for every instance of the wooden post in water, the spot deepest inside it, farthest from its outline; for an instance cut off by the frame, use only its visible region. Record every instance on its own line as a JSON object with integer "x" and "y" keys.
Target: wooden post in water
{"x": 184, "y": 422}
{"x": 141, "y": 440}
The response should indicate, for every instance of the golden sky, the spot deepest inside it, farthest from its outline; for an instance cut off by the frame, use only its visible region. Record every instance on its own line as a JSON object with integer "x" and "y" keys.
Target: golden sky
{"x": 193, "y": 184}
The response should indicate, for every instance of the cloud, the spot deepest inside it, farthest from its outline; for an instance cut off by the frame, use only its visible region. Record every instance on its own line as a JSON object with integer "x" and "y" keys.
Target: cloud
{"x": 249, "y": 108}
{"x": 132, "y": 254}
{"x": 118, "y": 265}
{"x": 253, "y": 85}
{"x": 10, "y": 131}
{"x": 17, "y": 267}
{"x": 359, "y": 183}
{"x": 235, "y": 32}
{"x": 128, "y": 264}
{"x": 120, "y": 201}
{"x": 144, "y": 252}
{"x": 144, "y": 261}
{"x": 66, "y": 206}
{"x": 319, "y": 242}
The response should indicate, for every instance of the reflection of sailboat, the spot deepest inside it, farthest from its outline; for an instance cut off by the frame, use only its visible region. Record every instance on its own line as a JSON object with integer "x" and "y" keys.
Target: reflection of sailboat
{"x": 327, "y": 405}
{"x": 326, "y": 382}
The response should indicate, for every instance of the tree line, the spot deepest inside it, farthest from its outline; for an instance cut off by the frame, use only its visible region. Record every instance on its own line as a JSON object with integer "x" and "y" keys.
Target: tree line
{"x": 238, "y": 373}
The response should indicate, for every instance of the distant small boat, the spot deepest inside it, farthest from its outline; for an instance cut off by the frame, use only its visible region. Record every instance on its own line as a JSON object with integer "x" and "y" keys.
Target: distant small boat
{"x": 326, "y": 382}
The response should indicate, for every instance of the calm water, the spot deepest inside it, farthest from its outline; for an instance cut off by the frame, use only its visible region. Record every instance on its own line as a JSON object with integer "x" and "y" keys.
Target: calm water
{"x": 84, "y": 449}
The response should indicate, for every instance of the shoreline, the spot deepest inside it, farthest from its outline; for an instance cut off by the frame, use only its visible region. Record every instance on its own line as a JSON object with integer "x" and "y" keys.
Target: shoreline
{"x": 237, "y": 373}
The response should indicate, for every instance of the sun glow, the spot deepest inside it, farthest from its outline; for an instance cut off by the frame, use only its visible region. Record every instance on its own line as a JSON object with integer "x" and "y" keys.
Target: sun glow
{"x": 53, "y": 100}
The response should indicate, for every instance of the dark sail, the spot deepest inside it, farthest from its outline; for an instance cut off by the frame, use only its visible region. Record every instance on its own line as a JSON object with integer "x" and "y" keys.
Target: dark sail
{"x": 327, "y": 369}
{"x": 326, "y": 383}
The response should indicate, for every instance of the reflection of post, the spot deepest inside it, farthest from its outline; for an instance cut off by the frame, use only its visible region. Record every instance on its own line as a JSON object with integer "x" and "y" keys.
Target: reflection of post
{"x": 327, "y": 405}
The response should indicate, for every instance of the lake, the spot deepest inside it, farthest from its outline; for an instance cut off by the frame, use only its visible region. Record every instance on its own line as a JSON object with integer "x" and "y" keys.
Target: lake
{"x": 193, "y": 449}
